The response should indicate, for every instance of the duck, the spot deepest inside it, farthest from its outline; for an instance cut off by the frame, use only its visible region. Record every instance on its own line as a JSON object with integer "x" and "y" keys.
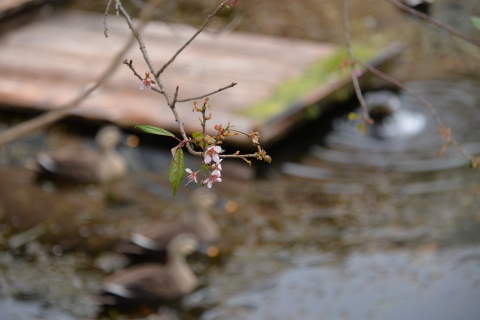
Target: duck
{"x": 392, "y": 120}
{"x": 382, "y": 104}
{"x": 150, "y": 242}
{"x": 424, "y": 6}
{"x": 84, "y": 165}
{"x": 146, "y": 287}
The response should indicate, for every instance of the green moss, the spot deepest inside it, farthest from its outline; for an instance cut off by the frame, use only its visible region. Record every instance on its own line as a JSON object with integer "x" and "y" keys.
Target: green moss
{"x": 320, "y": 72}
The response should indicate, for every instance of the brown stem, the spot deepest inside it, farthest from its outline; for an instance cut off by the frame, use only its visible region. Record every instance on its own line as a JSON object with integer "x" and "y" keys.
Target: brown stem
{"x": 434, "y": 22}
{"x": 220, "y": 7}
{"x": 233, "y": 84}
{"x": 130, "y": 65}
{"x": 146, "y": 12}
{"x": 351, "y": 58}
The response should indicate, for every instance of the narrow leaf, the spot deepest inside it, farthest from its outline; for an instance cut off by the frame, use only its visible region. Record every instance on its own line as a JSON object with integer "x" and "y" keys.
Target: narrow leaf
{"x": 475, "y": 21}
{"x": 176, "y": 172}
{"x": 155, "y": 130}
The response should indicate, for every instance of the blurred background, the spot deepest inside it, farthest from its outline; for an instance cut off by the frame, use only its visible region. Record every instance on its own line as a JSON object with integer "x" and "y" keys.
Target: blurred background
{"x": 341, "y": 225}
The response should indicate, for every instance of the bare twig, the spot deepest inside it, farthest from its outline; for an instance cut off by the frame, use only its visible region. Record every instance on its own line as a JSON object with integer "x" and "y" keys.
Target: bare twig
{"x": 220, "y": 7}
{"x": 351, "y": 58}
{"x": 241, "y": 156}
{"x": 147, "y": 10}
{"x": 209, "y": 94}
{"x": 175, "y": 96}
{"x": 424, "y": 102}
{"x": 130, "y": 65}
{"x": 105, "y": 29}
{"x": 434, "y": 22}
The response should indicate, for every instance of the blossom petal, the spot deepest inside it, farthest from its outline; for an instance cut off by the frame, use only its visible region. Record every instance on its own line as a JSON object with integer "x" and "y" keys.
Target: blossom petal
{"x": 208, "y": 158}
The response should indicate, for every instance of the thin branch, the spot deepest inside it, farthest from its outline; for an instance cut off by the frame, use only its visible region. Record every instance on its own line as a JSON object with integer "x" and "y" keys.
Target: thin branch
{"x": 252, "y": 155}
{"x": 422, "y": 100}
{"x": 181, "y": 126}
{"x": 204, "y": 122}
{"x": 231, "y": 85}
{"x": 130, "y": 65}
{"x": 147, "y": 11}
{"x": 105, "y": 28}
{"x": 434, "y": 22}
{"x": 220, "y": 7}
{"x": 175, "y": 96}
{"x": 351, "y": 58}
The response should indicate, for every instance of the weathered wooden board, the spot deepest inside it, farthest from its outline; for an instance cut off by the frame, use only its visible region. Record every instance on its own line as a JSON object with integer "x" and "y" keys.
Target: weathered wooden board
{"x": 50, "y": 61}
{"x": 12, "y": 4}
{"x": 47, "y": 63}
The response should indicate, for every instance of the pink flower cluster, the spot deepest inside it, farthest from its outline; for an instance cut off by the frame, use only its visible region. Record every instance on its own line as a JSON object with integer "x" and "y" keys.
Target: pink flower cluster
{"x": 147, "y": 82}
{"x": 211, "y": 154}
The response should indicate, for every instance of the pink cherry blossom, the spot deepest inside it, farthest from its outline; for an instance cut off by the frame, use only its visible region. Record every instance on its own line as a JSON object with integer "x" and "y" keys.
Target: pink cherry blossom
{"x": 212, "y": 154}
{"x": 146, "y": 84}
{"x": 192, "y": 176}
{"x": 217, "y": 166}
{"x": 214, "y": 177}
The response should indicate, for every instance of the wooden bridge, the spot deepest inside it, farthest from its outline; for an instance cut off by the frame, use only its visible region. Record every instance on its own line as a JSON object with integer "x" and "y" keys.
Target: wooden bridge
{"x": 49, "y": 61}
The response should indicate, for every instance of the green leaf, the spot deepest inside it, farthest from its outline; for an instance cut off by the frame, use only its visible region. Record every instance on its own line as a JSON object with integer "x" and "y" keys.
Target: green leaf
{"x": 353, "y": 116}
{"x": 197, "y": 135}
{"x": 362, "y": 128}
{"x": 475, "y": 21}
{"x": 155, "y": 130}
{"x": 176, "y": 172}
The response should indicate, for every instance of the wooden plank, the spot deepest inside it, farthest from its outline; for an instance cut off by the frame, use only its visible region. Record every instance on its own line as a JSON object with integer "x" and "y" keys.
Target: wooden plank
{"x": 50, "y": 61}
{"x": 14, "y": 4}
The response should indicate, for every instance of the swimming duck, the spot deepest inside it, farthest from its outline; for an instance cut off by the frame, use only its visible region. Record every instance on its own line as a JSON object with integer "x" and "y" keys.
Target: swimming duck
{"x": 381, "y": 104}
{"x": 84, "y": 165}
{"x": 392, "y": 120}
{"x": 147, "y": 286}
{"x": 423, "y": 6}
{"x": 151, "y": 242}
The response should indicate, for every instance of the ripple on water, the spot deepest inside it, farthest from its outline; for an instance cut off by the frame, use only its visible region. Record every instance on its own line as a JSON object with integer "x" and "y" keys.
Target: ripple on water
{"x": 408, "y": 141}
{"x": 386, "y": 286}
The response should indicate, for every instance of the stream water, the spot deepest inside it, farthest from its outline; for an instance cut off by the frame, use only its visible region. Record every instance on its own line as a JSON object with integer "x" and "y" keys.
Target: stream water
{"x": 353, "y": 226}
{"x": 357, "y": 228}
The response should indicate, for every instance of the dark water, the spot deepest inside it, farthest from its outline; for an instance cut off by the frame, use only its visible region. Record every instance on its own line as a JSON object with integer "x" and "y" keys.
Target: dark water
{"x": 371, "y": 228}
{"x": 383, "y": 230}
{"x": 357, "y": 227}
